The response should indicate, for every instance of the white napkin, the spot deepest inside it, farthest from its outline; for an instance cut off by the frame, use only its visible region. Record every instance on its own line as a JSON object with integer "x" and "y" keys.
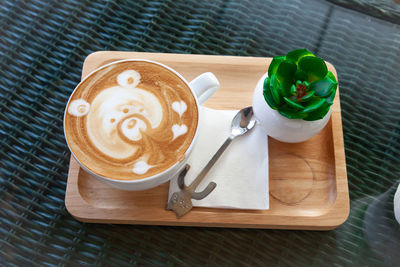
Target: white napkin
{"x": 241, "y": 173}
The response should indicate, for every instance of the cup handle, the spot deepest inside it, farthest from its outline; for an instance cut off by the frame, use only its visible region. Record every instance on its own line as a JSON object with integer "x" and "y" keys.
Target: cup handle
{"x": 204, "y": 86}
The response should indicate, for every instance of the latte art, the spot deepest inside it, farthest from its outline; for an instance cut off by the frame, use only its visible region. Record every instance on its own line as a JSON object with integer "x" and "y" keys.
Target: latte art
{"x": 179, "y": 107}
{"x": 141, "y": 167}
{"x": 78, "y": 108}
{"x": 179, "y": 130}
{"x": 131, "y": 121}
{"x": 120, "y": 114}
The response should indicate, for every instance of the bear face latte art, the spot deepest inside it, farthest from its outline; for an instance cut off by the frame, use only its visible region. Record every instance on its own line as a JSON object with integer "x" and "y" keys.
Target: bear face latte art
{"x": 130, "y": 120}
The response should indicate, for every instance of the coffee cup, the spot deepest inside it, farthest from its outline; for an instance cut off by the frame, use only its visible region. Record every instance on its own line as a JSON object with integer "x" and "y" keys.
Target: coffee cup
{"x": 133, "y": 123}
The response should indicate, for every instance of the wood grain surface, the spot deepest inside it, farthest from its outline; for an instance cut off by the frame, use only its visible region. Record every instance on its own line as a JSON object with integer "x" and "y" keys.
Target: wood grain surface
{"x": 308, "y": 180}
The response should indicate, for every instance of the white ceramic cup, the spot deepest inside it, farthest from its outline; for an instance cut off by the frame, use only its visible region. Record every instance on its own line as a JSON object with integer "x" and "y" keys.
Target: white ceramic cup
{"x": 202, "y": 88}
{"x": 280, "y": 127}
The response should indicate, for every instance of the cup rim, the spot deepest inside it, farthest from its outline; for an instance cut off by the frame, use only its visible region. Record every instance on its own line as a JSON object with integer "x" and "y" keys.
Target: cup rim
{"x": 155, "y": 176}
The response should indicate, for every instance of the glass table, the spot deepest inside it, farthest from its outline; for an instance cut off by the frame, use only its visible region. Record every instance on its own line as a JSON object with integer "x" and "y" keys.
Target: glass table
{"x": 43, "y": 45}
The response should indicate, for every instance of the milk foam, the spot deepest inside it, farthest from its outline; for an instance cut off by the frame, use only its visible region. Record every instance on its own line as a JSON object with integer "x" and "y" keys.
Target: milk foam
{"x": 141, "y": 167}
{"x": 78, "y": 107}
{"x": 179, "y": 130}
{"x": 131, "y": 128}
{"x": 179, "y": 107}
{"x": 122, "y": 112}
{"x": 129, "y": 78}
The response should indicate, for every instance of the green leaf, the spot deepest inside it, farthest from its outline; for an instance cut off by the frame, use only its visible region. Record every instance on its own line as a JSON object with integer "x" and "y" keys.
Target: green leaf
{"x": 331, "y": 97}
{"x": 330, "y": 75}
{"x": 274, "y": 87}
{"x": 293, "y": 90}
{"x": 319, "y": 113}
{"x": 315, "y": 68}
{"x": 276, "y": 61}
{"x": 300, "y": 75}
{"x": 297, "y": 54}
{"x": 285, "y": 76}
{"x": 273, "y": 81}
{"x": 313, "y": 105}
{"x": 267, "y": 95}
{"x": 291, "y": 113}
{"x": 323, "y": 87}
{"x": 307, "y": 97}
{"x": 286, "y": 71}
{"x": 284, "y": 88}
{"x": 267, "y": 81}
{"x": 293, "y": 104}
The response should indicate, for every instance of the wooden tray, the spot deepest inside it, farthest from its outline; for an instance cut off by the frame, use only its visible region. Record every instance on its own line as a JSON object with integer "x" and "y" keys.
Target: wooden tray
{"x": 308, "y": 181}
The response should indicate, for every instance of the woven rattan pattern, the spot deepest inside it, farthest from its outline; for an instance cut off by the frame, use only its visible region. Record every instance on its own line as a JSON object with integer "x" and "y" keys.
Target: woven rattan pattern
{"x": 385, "y": 9}
{"x": 42, "y": 48}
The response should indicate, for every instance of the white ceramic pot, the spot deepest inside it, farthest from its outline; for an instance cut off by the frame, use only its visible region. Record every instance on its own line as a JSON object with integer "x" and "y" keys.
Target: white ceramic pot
{"x": 280, "y": 127}
{"x": 202, "y": 88}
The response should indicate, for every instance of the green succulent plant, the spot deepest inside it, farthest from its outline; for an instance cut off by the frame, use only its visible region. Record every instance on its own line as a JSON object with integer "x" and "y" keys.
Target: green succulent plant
{"x": 299, "y": 86}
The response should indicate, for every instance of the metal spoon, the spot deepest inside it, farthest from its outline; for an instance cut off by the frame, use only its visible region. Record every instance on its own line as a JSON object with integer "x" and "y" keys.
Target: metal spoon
{"x": 181, "y": 201}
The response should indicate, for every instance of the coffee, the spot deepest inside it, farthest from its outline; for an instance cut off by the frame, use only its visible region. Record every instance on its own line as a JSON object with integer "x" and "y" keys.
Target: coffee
{"x": 130, "y": 120}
